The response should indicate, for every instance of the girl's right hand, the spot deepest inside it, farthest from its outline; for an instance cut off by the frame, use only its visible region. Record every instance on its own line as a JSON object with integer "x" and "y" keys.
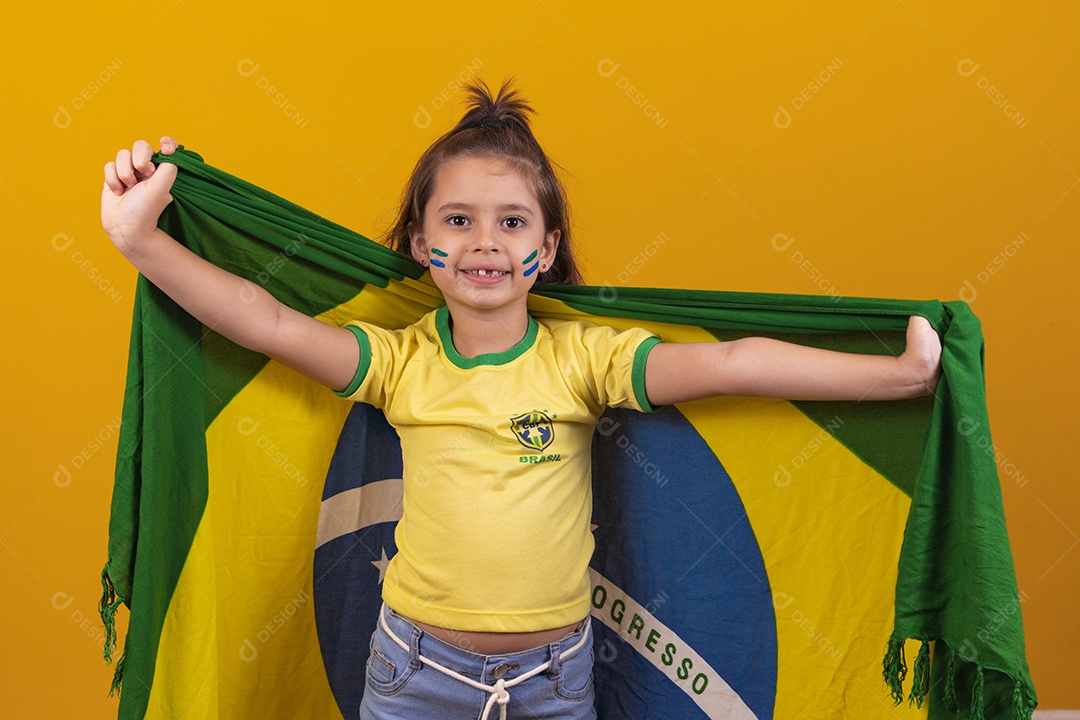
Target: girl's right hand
{"x": 135, "y": 193}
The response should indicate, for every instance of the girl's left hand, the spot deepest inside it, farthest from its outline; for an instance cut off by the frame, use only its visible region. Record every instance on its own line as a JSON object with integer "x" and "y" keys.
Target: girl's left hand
{"x": 922, "y": 356}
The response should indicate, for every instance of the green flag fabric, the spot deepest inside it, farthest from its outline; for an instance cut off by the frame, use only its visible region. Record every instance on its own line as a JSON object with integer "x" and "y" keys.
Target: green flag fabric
{"x": 755, "y": 558}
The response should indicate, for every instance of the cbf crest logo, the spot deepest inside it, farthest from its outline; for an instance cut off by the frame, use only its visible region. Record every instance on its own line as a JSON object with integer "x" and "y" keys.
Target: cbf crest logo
{"x": 534, "y": 430}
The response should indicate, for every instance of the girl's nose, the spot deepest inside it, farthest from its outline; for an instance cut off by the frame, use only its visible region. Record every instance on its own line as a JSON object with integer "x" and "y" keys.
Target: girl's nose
{"x": 484, "y": 240}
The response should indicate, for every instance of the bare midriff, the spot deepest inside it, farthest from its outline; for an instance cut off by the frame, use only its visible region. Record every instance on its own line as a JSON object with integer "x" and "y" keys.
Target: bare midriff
{"x": 494, "y": 643}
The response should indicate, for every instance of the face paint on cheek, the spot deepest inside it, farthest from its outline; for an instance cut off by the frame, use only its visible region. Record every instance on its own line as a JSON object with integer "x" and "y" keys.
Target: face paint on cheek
{"x": 528, "y": 260}
{"x": 436, "y": 262}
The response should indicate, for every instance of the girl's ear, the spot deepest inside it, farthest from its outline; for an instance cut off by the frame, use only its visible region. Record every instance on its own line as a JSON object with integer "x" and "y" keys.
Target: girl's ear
{"x": 551, "y": 247}
{"x": 417, "y": 244}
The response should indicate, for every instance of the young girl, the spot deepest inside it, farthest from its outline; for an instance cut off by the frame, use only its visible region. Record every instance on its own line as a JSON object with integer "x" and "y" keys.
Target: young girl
{"x": 489, "y": 590}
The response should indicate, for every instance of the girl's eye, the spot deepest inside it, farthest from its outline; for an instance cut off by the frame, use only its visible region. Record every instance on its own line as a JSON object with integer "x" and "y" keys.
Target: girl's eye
{"x": 457, "y": 220}
{"x": 514, "y": 223}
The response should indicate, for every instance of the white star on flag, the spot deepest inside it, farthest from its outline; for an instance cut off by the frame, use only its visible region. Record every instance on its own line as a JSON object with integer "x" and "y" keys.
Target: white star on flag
{"x": 381, "y": 564}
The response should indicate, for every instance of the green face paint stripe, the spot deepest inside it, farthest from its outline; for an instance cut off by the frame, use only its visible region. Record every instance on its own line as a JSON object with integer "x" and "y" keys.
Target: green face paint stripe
{"x": 529, "y": 259}
{"x": 437, "y": 251}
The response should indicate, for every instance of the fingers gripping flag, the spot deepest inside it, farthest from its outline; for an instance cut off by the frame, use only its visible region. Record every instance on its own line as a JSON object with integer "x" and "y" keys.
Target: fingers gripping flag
{"x": 755, "y": 558}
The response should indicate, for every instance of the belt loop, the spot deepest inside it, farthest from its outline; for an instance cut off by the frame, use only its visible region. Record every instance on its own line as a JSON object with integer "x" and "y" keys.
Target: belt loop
{"x": 555, "y": 668}
{"x": 414, "y": 645}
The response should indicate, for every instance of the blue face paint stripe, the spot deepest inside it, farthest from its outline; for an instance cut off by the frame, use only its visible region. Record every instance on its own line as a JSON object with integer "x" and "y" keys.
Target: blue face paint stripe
{"x": 438, "y": 263}
{"x": 528, "y": 272}
{"x": 529, "y": 259}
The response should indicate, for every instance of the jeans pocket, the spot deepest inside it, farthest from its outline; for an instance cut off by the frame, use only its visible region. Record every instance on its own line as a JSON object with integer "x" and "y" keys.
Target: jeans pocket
{"x": 388, "y": 665}
{"x": 575, "y": 679}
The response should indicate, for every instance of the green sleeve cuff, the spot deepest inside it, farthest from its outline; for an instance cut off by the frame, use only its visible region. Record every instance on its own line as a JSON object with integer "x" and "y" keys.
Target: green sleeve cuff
{"x": 362, "y": 366}
{"x": 638, "y": 372}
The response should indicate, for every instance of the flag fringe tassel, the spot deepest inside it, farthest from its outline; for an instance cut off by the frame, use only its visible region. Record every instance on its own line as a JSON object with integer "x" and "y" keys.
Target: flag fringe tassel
{"x": 894, "y": 668}
{"x": 108, "y": 605}
{"x": 1021, "y": 709}
{"x": 118, "y": 675}
{"x": 950, "y": 685}
{"x": 920, "y": 683}
{"x": 977, "y": 704}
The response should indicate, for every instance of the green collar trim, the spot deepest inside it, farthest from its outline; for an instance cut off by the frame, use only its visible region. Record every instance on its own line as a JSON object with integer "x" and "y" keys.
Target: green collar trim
{"x": 442, "y": 326}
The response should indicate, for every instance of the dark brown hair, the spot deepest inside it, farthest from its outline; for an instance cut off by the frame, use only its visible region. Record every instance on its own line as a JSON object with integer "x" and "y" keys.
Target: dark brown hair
{"x": 493, "y": 127}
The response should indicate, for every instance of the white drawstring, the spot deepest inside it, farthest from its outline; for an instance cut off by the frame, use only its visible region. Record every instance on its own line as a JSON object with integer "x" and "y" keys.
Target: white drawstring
{"x": 498, "y": 691}
{"x": 500, "y": 695}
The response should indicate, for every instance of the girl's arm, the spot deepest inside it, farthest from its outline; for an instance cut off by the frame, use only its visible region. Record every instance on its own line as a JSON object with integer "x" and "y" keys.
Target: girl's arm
{"x": 678, "y": 372}
{"x": 134, "y": 195}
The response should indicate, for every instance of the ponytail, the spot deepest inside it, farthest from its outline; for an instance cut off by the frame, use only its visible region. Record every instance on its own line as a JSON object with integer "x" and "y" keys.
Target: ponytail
{"x": 507, "y": 111}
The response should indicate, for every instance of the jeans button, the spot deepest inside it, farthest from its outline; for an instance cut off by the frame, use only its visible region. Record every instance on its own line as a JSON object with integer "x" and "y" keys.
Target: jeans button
{"x": 500, "y": 670}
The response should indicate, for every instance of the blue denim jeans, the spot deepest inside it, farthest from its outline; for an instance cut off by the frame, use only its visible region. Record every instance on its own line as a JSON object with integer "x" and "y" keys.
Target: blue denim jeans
{"x": 400, "y": 686}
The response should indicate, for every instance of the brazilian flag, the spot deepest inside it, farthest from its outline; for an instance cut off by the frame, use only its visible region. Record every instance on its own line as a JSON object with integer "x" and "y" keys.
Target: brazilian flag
{"x": 755, "y": 558}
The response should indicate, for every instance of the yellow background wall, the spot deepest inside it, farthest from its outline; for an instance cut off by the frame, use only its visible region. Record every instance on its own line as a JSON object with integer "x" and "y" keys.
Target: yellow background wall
{"x": 870, "y": 149}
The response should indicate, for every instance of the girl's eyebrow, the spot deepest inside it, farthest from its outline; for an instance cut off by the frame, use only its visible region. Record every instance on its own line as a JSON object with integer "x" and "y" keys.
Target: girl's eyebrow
{"x": 465, "y": 206}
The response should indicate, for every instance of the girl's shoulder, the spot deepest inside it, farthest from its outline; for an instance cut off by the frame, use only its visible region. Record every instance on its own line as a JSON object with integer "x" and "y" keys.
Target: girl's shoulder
{"x": 592, "y": 338}
{"x": 565, "y": 327}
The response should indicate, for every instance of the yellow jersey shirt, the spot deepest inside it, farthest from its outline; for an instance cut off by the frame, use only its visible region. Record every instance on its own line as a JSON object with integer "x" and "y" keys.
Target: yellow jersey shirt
{"x": 497, "y": 454}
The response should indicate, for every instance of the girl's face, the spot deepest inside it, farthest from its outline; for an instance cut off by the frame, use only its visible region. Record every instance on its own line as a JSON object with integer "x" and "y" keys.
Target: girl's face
{"x": 483, "y": 235}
